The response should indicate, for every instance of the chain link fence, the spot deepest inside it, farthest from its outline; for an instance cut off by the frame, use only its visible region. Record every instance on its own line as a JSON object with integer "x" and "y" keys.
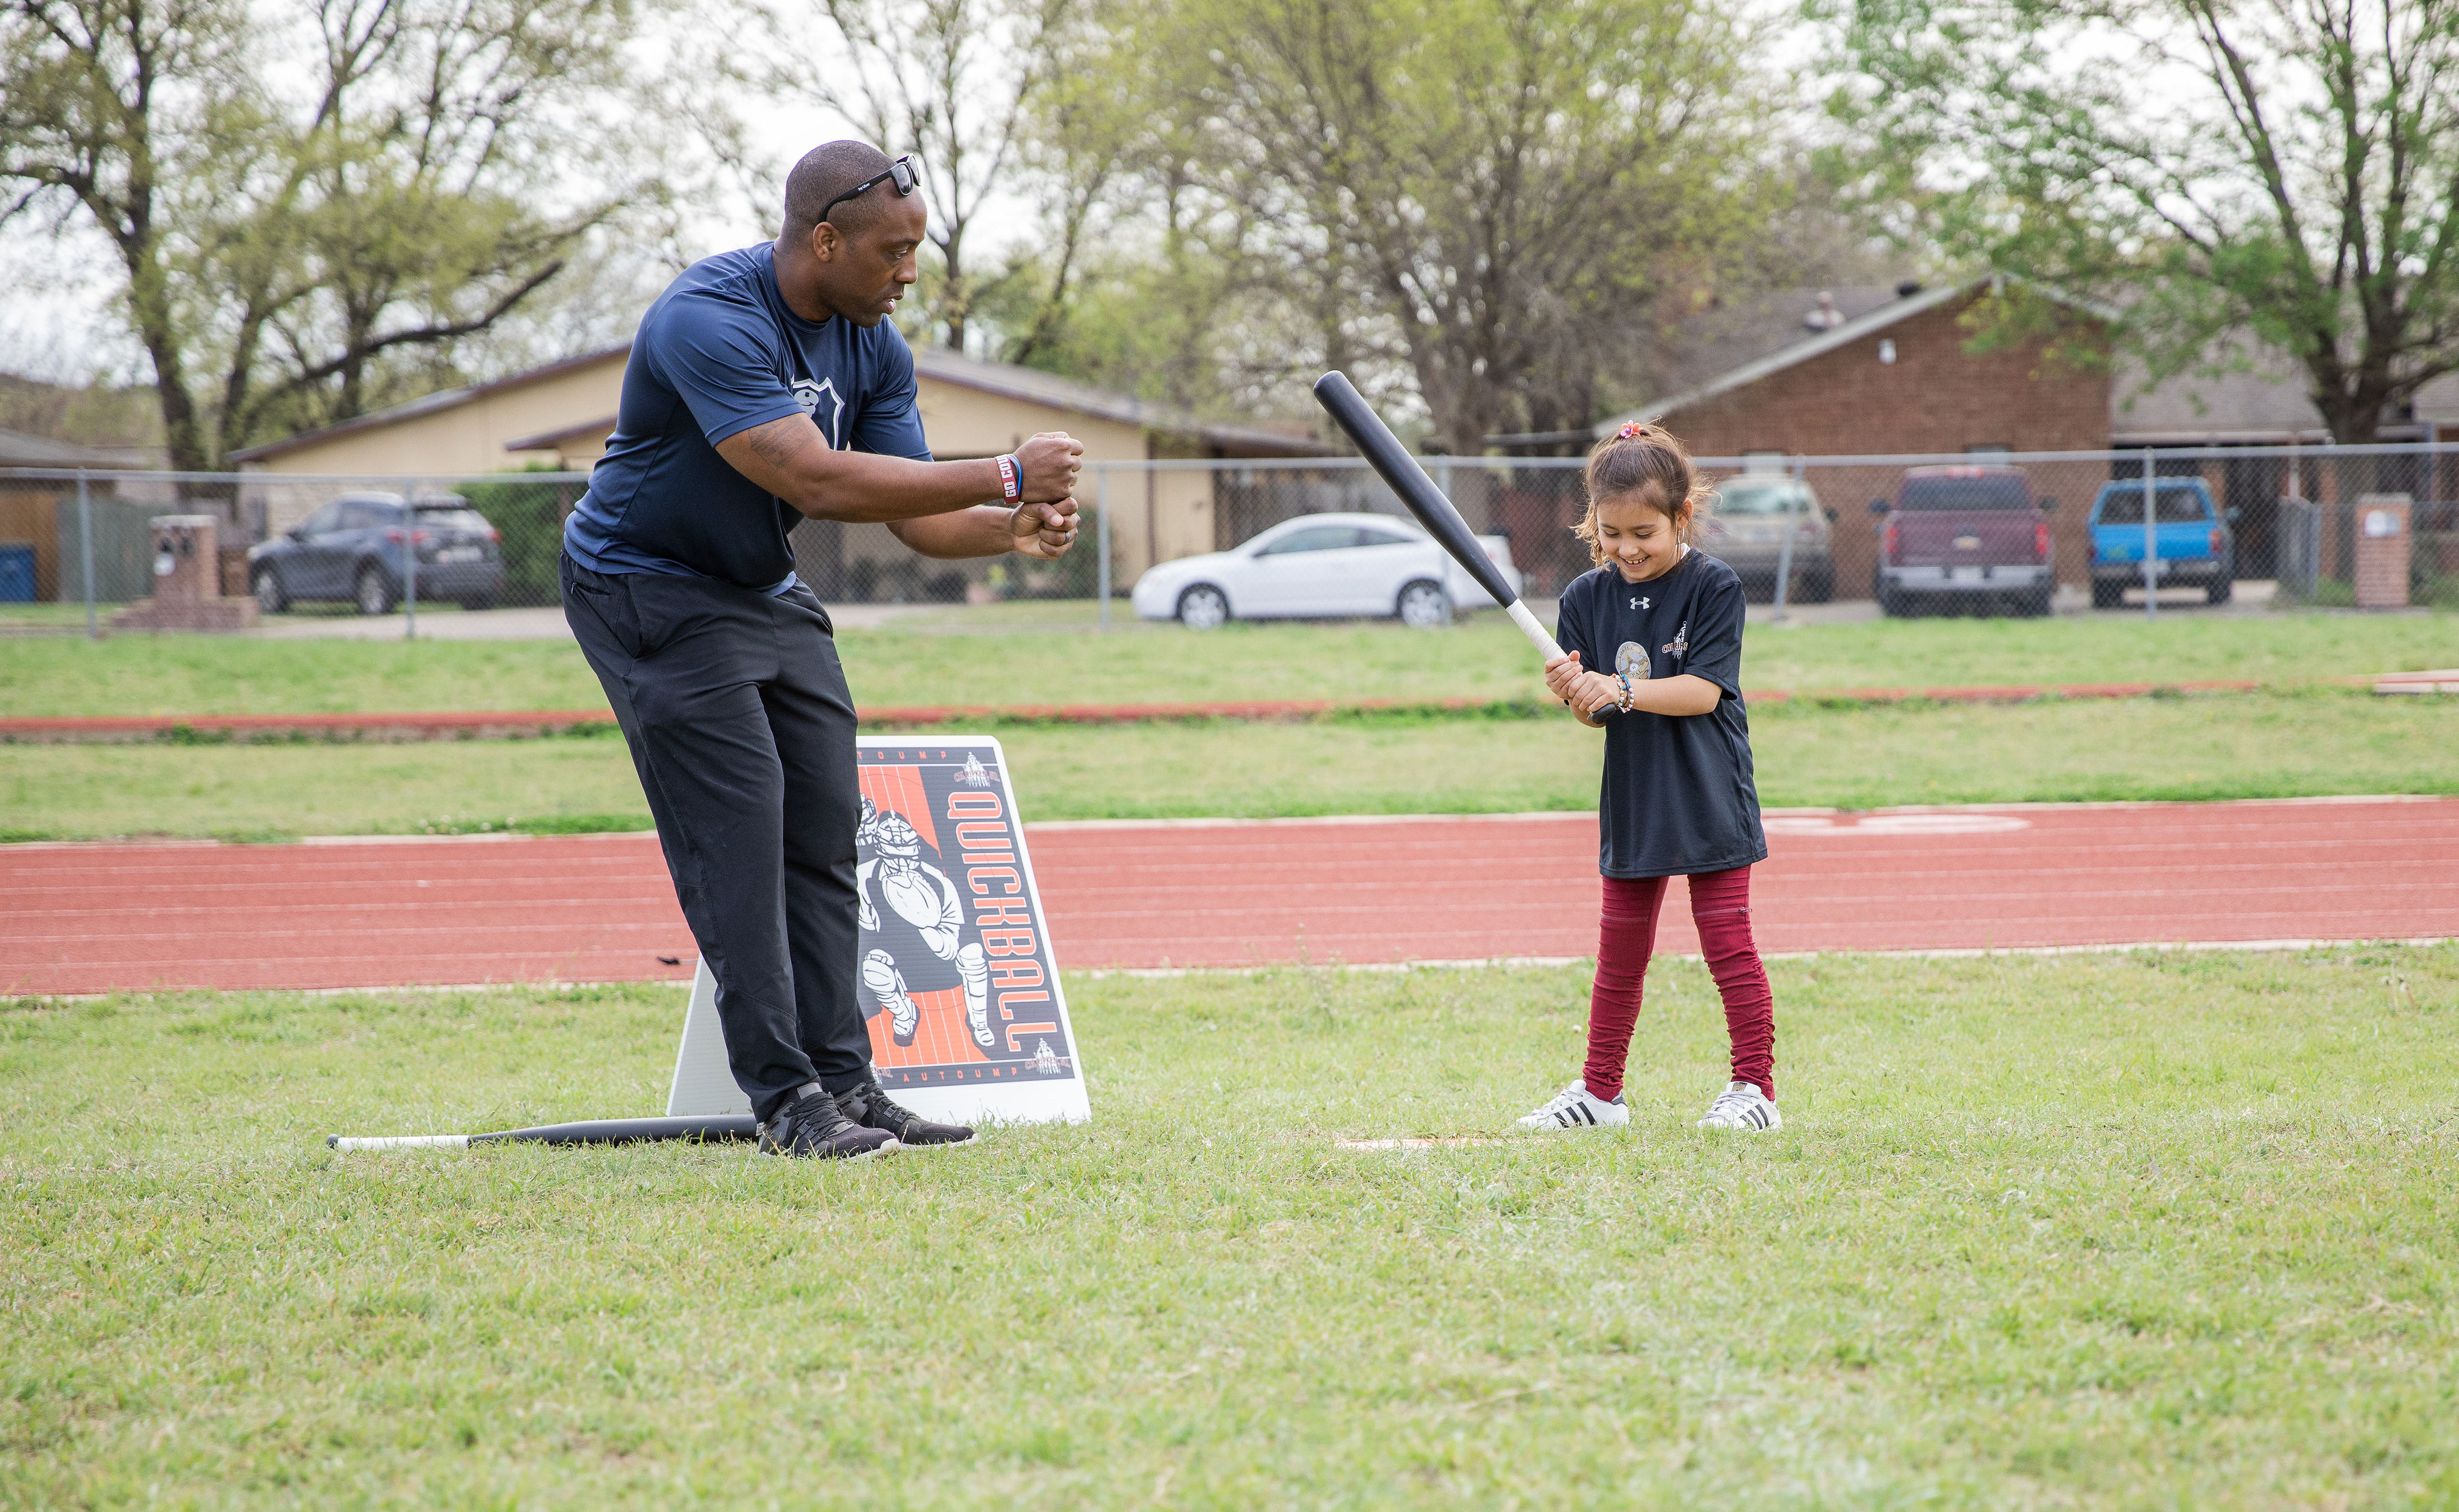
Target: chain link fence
{"x": 1991, "y": 534}
{"x": 85, "y": 550}
{"x": 2005, "y": 534}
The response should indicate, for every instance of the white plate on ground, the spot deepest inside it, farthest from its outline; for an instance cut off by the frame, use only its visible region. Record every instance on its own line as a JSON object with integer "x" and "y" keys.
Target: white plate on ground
{"x": 1443, "y": 1142}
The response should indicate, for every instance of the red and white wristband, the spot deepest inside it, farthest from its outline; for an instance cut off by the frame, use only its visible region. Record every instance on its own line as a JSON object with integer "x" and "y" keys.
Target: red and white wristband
{"x": 1011, "y": 479}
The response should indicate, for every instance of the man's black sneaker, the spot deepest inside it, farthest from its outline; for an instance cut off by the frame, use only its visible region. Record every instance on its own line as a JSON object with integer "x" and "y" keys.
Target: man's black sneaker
{"x": 874, "y": 1109}
{"x": 811, "y": 1127}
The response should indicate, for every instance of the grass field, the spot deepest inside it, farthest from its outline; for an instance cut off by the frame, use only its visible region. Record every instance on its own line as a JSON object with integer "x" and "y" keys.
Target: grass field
{"x": 2228, "y": 746}
{"x": 1008, "y": 660}
{"x": 2121, "y": 1231}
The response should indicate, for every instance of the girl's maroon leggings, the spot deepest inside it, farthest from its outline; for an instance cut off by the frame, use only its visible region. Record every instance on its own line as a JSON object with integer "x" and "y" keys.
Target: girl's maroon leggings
{"x": 1720, "y": 906}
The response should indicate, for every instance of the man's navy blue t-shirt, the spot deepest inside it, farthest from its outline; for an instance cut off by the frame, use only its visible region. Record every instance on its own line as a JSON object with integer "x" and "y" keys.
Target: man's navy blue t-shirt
{"x": 1678, "y": 797}
{"x": 716, "y": 355}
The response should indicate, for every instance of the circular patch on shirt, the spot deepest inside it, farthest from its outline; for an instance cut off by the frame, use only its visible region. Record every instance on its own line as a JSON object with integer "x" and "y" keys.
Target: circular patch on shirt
{"x": 1631, "y": 661}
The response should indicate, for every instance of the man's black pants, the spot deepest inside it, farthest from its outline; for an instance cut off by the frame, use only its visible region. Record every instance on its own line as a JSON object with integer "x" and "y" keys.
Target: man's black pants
{"x": 736, "y": 710}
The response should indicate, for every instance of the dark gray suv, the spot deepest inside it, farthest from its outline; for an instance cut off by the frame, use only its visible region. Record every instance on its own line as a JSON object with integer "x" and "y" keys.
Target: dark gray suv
{"x": 356, "y": 550}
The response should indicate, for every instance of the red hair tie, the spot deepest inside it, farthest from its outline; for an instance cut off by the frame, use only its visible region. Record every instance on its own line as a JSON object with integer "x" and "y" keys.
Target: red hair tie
{"x": 1630, "y": 432}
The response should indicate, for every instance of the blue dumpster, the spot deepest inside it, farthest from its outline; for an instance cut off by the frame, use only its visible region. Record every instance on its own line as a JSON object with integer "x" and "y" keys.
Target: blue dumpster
{"x": 16, "y": 572}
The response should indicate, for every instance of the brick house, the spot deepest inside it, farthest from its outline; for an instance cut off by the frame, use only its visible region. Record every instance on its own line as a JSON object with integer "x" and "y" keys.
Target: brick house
{"x": 1883, "y": 372}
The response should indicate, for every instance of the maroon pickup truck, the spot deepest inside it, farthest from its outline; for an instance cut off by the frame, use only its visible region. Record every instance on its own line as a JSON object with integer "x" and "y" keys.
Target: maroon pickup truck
{"x": 1964, "y": 539}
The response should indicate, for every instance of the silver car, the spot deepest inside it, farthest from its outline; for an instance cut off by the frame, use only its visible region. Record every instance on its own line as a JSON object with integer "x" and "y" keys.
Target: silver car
{"x": 1746, "y": 527}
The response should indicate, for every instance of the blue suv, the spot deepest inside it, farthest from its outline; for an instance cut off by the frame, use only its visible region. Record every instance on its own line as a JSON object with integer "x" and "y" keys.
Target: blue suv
{"x": 2191, "y": 545}
{"x": 356, "y": 550}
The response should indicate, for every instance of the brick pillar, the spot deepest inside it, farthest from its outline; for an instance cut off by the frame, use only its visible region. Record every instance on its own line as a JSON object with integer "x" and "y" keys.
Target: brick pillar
{"x": 187, "y": 581}
{"x": 2382, "y": 545}
{"x": 187, "y": 568}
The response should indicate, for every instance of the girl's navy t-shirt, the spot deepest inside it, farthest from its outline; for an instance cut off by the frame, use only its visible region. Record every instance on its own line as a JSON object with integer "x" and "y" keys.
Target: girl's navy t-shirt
{"x": 1678, "y": 796}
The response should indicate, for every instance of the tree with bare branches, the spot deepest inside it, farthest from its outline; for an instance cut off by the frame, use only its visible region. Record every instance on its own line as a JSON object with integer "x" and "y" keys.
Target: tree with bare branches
{"x": 956, "y": 82}
{"x": 1488, "y": 191}
{"x": 2286, "y": 170}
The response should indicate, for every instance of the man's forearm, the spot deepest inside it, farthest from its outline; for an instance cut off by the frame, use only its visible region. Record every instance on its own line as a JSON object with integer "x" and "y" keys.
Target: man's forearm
{"x": 790, "y": 459}
{"x": 982, "y": 532}
{"x": 858, "y": 488}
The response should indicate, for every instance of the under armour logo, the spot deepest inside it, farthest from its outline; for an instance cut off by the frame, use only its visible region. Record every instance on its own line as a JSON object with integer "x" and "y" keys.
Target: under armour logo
{"x": 1639, "y": 603}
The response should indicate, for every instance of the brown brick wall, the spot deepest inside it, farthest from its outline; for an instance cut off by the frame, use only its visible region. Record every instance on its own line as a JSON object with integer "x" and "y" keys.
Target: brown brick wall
{"x": 1934, "y": 397}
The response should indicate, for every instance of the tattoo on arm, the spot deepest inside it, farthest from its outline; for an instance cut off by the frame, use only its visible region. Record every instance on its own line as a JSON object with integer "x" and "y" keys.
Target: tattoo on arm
{"x": 770, "y": 444}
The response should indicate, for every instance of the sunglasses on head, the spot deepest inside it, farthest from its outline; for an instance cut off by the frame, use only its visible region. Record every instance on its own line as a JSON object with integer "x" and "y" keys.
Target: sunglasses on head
{"x": 901, "y": 173}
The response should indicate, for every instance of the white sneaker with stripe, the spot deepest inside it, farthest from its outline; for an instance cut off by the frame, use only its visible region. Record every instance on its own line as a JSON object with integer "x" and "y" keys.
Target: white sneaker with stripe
{"x": 1572, "y": 1108}
{"x": 1741, "y": 1105}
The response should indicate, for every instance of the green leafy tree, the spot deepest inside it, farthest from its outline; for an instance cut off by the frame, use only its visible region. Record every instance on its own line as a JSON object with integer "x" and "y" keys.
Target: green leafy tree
{"x": 2286, "y": 170}
{"x": 104, "y": 107}
{"x": 1162, "y": 273}
{"x": 281, "y": 246}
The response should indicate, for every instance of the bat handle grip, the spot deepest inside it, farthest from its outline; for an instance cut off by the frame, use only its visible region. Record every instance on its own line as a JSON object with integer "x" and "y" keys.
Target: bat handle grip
{"x": 1535, "y": 632}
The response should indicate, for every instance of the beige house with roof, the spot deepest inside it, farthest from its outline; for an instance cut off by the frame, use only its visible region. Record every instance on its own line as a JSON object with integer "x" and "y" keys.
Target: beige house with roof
{"x": 558, "y": 417}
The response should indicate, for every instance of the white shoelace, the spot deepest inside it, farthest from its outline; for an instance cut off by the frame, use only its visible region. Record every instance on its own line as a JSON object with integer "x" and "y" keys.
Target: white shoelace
{"x": 1733, "y": 1099}
{"x": 1569, "y": 1097}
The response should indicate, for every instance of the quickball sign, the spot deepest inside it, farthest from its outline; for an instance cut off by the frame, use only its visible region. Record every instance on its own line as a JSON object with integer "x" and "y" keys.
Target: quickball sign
{"x": 968, "y": 1022}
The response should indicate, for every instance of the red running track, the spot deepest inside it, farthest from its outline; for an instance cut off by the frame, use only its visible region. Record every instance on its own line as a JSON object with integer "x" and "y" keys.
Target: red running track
{"x": 352, "y": 913}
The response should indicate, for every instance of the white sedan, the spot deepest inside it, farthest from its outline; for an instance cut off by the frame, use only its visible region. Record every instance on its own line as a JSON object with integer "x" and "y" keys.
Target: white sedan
{"x": 1318, "y": 566}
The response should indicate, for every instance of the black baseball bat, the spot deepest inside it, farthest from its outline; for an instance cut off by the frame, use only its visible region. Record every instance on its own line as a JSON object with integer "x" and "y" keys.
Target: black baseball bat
{"x": 722, "y": 1128}
{"x": 1384, "y": 453}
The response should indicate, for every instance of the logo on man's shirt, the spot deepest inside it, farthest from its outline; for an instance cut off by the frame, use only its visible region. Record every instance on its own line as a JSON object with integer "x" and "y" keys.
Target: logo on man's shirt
{"x": 811, "y": 395}
{"x": 1641, "y": 603}
{"x": 1680, "y": 644}
{"x": 1631, "y": 660}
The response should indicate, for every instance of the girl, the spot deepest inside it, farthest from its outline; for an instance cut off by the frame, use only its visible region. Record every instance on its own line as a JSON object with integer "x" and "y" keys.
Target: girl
{"x": 1661, "y": 626}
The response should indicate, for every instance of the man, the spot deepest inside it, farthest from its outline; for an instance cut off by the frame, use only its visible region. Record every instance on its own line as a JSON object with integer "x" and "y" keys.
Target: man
{"x": 767, "y": 384}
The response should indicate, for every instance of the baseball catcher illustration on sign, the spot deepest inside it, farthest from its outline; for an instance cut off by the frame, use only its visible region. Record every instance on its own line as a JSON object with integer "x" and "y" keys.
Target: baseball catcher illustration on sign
{"x": 958, "y": 984}
{"x": 912, "y": 930}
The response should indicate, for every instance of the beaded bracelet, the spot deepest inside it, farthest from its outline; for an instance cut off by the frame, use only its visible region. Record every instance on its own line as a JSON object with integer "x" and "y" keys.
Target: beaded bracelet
{"x": 1622, "y": 704}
